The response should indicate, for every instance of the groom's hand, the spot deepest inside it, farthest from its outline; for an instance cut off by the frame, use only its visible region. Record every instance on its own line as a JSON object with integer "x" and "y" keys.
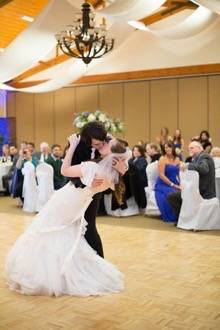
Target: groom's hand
{"x": 97, "y": 182}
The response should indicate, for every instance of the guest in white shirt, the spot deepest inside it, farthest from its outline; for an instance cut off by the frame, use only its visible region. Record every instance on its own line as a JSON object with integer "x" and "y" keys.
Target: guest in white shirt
{"x": 5, "y": 154}
{"x": 44, "y": 152}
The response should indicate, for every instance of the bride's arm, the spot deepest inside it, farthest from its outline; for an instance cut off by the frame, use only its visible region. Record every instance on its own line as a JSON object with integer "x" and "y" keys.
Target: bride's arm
{"x": 66, "y": 169}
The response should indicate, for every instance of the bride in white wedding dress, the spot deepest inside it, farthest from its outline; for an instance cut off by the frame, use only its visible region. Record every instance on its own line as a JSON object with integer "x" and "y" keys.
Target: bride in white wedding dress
{"x": 52, "y": 256}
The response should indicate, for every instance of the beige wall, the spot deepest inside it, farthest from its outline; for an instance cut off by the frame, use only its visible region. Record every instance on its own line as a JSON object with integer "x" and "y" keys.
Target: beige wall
{"x": 191, "y": 104}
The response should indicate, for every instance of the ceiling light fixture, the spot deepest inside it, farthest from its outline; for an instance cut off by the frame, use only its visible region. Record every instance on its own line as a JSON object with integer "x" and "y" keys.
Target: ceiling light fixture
{"x": 27, "y": 18}
{"x": 83, "y": 39}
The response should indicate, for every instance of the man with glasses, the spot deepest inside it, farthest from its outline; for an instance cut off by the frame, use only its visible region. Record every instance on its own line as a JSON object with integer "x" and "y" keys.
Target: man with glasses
{"x": 204, "y": 165}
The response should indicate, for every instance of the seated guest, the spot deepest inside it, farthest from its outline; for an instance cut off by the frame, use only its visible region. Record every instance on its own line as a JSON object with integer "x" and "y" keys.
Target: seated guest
{"x": 31, "y": 147}
{"x": 167, "y": 181}
{"x": 5, "y": 154}
{"x": 137, "y": 174}
{"x": 55, "y": 160}
{"x": 205, "y": 140}
{"x": 152, "y": 152}
{"x": 13, "y": 150}
{"x": 8, "y": 177}
{"x": 44, "y": 152}
{"x": 204, "y": 165}
{"x": 178, "y": 143}
{"x": 164, "y": 137}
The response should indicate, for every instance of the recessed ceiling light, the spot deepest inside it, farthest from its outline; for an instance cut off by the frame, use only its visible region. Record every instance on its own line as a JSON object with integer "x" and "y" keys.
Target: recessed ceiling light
{"x": 27, "y": 18}
{"x": 138, "y": 25}
{"x": 1, "y": 50}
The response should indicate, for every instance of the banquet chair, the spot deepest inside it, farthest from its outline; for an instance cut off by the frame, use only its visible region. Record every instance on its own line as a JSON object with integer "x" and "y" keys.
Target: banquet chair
{"x": 44, "y": 174}
{"x": 30, "y": 190}
{"x": 152, "y": 174}
{"x": 132, "y": 207}
{"x": 196, "y": 212}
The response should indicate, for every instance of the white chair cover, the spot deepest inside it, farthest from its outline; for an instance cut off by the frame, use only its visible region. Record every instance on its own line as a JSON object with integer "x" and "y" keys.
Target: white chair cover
{"x": 152, "y": 174}
{"x": 44, "y": 173}
{"x": 217, "y": 187}
{"x": 132, "y": 208}
{"x": 197, "y": 213}
{"x": 30, "y": 190}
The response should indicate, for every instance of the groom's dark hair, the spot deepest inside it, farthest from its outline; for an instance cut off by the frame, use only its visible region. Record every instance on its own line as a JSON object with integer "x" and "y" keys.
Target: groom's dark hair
{"x": 93, "y": 130}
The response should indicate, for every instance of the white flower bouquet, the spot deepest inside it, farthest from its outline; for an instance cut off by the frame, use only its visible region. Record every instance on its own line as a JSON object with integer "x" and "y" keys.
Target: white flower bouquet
{"x": 111, "y": 125}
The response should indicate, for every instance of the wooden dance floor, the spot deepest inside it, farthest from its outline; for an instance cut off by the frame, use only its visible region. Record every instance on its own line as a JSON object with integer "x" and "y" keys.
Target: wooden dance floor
{"x": 172, "y": 280}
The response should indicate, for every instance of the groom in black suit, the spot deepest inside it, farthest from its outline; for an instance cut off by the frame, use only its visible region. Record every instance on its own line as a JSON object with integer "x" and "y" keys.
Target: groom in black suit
{"x": 93, "y": 137}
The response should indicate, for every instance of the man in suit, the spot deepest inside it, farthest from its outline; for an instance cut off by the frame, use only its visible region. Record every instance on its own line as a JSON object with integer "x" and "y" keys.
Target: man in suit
{"x": 204, "y": 165}
{"x": 8, "y": 177}
{"x": 93, "y": 138}
{"x": 54, "y": 159}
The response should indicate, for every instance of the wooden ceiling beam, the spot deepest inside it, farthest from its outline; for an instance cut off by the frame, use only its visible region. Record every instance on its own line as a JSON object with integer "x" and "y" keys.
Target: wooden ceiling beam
{"x": 4, "y": 2}
{"x": 202, "y": 69}
{"x": 175, "y": 7}
{"x": 25, "y": 84}
{"x": 43, "y": 65}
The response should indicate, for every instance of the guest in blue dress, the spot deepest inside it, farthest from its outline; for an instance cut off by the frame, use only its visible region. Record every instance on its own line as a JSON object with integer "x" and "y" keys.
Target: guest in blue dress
{"x": 167, "y": 181}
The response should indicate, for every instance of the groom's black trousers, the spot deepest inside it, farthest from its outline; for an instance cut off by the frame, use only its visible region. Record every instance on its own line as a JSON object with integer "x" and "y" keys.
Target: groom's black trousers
{"x": 91, "y": 234}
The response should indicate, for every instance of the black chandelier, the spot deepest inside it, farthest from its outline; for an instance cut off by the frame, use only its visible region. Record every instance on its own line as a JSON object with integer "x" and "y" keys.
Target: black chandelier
{"x": 83, "y": 39}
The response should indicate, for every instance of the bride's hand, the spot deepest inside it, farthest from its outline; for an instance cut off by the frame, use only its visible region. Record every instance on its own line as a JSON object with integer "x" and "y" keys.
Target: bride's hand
{"x": 74, "y": 139}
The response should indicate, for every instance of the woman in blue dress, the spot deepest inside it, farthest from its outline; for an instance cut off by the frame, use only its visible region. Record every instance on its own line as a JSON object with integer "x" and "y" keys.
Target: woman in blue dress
{"x": 167, "y": 181}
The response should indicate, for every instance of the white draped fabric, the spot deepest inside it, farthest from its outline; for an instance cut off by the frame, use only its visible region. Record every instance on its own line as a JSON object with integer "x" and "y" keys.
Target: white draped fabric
{"x": 126, "y": 10}
{"x": 73, "y": 69}
{"x": 152, "y": 174}
{"x": 44, "y": 174}
{"x": 197, "y": 22}
{"x": 213, "y": 5}
{"x": 4, "y": 169}
{"x": 30, "y": 190}
{"x": 36, "y": 41}
{"x": 197, "y": 213}
{"x": 132, "y": 207}
{"x": 154, "y": 52}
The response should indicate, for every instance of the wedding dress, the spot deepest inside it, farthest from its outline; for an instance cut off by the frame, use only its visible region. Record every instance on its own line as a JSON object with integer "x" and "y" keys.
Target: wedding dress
{"x": 52, "y": 256}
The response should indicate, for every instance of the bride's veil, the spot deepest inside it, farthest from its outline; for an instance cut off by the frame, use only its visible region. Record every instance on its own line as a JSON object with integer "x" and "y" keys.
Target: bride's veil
{"x": 105, "y": 165}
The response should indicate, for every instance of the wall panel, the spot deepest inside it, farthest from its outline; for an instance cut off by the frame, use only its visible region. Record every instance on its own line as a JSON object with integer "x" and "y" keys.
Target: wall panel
{"x": 136, "y": 114}
{"x": 111, "y": 100}
{"x": 86, "y": 98}
{"x": 11, "y": 104}
{"x": 145, "y": 106}
{"x": 193, "y": 112}
{"x": 25, "y": 125}
{"x": 64, "y": 108}
{"x": 44, "y": 118}
{"x": 163, "y": 106}
{"x": 214, "y": 108}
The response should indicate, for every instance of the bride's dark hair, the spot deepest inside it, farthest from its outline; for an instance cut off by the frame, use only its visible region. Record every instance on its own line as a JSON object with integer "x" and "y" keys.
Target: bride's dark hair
{"x": 119, "y": 191}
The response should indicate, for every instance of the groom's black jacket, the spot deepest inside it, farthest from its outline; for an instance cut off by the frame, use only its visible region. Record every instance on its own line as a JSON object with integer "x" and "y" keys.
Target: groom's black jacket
{"x": 81, "y": 154}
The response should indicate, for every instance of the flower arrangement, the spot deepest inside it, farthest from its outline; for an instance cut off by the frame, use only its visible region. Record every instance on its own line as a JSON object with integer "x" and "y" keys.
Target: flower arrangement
{"x": 111, "y": 125}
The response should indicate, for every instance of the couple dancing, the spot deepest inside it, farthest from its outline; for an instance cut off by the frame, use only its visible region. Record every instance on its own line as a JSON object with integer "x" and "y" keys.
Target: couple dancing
{"x": 61, "y": 251}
